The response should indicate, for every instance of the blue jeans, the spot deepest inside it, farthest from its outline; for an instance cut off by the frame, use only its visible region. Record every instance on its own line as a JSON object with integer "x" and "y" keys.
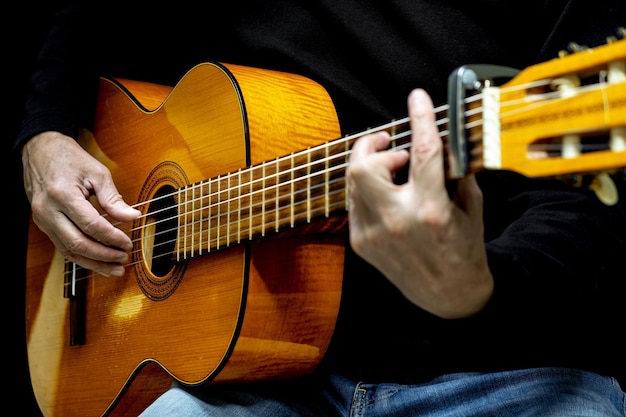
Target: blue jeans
{"x": 530, "y": 392}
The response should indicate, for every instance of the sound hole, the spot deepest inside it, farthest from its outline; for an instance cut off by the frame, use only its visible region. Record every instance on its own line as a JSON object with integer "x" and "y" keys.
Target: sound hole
{"x": 160, "y": 233}
{"x": 157, "y": 270}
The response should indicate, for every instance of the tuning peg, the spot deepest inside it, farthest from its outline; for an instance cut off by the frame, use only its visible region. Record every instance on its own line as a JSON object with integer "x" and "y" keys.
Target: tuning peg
{"x": 620, "y": 33}
{"x": 605, "y": 189}
{"x": 572, "y": 48}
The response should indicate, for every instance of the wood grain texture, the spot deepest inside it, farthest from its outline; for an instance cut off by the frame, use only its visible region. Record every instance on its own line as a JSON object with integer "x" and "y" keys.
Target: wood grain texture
{"x": 260, "y": 310}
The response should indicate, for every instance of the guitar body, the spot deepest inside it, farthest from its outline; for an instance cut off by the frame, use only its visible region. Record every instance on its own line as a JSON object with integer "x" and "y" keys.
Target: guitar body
{"x": 259, "y": 310}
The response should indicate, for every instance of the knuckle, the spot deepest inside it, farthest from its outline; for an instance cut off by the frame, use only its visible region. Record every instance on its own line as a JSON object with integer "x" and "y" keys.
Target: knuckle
{"x": 433, "y": 216}
{"x": 56, "y": 190}
{"x": 93, "y": 228}
{"x": 73, "y": 247}
{"x": 356, "y": 171}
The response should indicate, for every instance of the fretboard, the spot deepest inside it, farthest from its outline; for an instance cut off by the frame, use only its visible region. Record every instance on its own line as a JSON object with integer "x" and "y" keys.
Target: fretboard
{"x": 269, "y": 197}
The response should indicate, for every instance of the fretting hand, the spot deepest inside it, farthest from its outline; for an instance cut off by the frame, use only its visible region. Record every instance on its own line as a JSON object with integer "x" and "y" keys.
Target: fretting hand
{"x": 426, "y": 244}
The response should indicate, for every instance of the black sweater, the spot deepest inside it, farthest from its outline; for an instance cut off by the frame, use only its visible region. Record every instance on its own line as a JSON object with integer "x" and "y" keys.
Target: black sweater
{"x": 555, "y": 252}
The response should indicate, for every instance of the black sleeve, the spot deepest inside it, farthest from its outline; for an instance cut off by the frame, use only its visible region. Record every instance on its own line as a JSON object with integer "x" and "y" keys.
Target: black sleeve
{"x": 557, "y": 257}
{"x": 63, "y": 81}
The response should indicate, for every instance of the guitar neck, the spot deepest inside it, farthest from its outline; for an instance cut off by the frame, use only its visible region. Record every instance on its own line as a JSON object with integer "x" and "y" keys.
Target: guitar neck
{"x": 279, "y": 194}
{"x": 544, "y": 121}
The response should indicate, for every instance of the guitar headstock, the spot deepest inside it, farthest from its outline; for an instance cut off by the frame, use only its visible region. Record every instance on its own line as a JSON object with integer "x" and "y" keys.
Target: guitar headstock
{"x": 561, "y": 118}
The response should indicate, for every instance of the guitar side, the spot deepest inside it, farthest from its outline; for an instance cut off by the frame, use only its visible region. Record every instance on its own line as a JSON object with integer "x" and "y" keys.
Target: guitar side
{"x": 256, "y": 311}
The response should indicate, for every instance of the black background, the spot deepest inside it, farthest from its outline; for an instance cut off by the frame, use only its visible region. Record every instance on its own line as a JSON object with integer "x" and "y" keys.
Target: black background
{"x": 23, "y": 29}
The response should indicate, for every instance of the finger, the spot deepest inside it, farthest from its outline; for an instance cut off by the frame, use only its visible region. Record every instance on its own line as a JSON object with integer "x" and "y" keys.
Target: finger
{"x": 371, "y": 179}
{"x": 369, "y": 144}
{"x": 427, "y": 169}
{"x": 367, "y": 159}
{"x": 99, "y": 182}
{"x": 110, "y": 199}
{"x": 75, "y": 246}
{"x": 371, "y": 185}
{"x": 103, "y": 268}
{"x": 71, "y": 240}
{"x": 95, "y": 226}
{"x": 469, "y": 196}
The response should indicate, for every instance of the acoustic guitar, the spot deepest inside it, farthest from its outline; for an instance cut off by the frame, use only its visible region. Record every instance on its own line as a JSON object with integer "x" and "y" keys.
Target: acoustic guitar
{"x": 239, "y": 173}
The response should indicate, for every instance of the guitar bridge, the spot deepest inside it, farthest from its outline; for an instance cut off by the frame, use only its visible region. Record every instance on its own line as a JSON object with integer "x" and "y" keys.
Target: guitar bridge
{"x": 74, "y": 289}
{"x": 463, "y": 82}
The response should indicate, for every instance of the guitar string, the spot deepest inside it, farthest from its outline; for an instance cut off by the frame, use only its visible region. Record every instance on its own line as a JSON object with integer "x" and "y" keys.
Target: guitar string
{"x": 539, "y": 100}
{"x": 264, "y": 190}
{"x": 360, "y": 134}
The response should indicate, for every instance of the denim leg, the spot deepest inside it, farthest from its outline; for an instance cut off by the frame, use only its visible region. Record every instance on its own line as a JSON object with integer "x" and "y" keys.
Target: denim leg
{"x": 318, "y": 396}
{"x": 545, "y": 392}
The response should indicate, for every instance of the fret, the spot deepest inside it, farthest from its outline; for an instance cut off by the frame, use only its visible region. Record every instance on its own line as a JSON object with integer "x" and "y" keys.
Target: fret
{"x": 345, "y": 161}
{"x": 218, "y": 214}
{"x": 186, "y": 223}
{"x": 301, "y": 188}
{"x": 193, "y": 220}
{"x": 239, "y": 206}
{"x": 392, "y": 133}
{"x": 245, "y": 203}
{"x": 250, "y": 203}
{"x": 335, "y": 175}
{"x": 284, "y": 192}
{"x": 263, "y": 176}
{"x": 292, "y": 194}
{"x": 257, "y": 214}
{"x": 224, "y": 211}
{"x": 181, "y": 230}
{"x": 300, "y": 191}
{"x": 308, "y": 187}
{"x": 326, "y": 184}
{"x": 205, "y": 215}
{"x": 188, "y": 216}
{"x": 208, "y": 217}
{"x": 271, "y": 197}
{"x": 317, "y": 188}
{"x": 200, "y": 217}
{"x": 228, "y": 212}
{"x": 277, "y": 196}
{"x": 190, "y": 221}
